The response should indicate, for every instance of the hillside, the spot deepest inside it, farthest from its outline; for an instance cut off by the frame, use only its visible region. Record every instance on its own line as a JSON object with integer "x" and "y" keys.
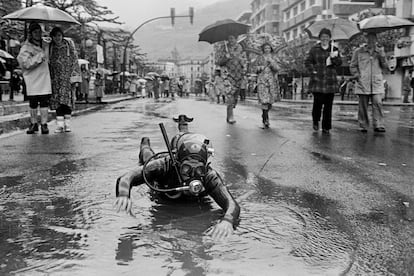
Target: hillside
{"x": 158, "y": 39}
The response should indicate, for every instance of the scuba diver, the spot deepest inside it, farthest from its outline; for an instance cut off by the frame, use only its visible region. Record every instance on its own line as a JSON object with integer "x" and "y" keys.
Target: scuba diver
{"x": 181, "y": 173}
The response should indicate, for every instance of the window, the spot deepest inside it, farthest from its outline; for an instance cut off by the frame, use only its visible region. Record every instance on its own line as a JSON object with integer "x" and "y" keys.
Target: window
{"x": 295, "y": 33}
{"x": 276, "y": 10}
{"x": 302, "y": 6}
{"x": 287, "y": 36}
{"x": 295, "y": 11}
{"x": 311, "y": 2}
{"x": 275, "y": 28}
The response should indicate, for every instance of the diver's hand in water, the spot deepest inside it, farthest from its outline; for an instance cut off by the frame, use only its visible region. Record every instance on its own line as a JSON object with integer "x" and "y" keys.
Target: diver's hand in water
{"x": 123, "y": 203}
{"x": 221, "y": 230}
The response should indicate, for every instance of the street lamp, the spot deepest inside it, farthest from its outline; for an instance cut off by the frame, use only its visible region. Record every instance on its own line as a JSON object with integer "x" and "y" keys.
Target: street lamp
{"x": 172, "y": 16}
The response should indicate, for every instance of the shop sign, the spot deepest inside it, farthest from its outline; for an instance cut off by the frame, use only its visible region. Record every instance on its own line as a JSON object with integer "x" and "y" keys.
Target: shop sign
{"x": 407, "y": 61}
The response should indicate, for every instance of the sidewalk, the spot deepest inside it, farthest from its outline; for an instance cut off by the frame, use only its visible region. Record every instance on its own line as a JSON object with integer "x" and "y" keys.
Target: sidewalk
{"x": 14, "y": 115}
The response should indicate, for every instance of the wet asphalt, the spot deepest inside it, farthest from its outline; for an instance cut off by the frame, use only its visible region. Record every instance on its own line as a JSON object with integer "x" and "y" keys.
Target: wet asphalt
{"x": 312, "y": 204}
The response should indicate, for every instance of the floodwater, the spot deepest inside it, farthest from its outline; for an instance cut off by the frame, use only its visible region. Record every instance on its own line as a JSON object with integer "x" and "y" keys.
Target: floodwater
{"x": 57, "y": 218}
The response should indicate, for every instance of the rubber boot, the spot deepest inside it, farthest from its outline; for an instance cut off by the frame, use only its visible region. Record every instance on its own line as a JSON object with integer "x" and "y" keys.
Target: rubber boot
{"x": 67, "y": 123}
{"x": 230, "y": 117}
{"x": 44, "y": 115}
{"x": 34, "y": 127}
{"x": 265, "y": 117}
{"x": 60, "y": 125}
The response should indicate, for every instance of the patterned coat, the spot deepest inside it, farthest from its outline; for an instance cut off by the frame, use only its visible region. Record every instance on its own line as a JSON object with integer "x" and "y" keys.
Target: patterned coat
{"x": 63, "y": 62}
{"x": 267, "y": 82}
{"x": 323, "y": 78}
{"x": 234, "y": 65}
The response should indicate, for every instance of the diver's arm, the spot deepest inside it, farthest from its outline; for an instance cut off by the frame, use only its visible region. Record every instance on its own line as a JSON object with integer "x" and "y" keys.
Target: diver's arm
{"x": 154, "y": 169}
{"x": 125, "y": 182}
{"x": 221, "y": 195}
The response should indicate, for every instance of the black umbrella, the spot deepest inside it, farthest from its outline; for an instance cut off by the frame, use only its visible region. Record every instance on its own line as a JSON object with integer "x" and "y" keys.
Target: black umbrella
{"x": 221, "y": 30}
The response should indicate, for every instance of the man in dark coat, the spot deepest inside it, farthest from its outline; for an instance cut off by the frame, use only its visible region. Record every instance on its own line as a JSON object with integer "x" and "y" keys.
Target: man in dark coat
{"x": 321, "y": 62}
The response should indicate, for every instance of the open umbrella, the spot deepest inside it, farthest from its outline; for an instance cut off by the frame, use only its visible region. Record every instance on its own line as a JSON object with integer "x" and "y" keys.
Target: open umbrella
{"x": 41, "y": 13}
{"x": 221, "y": 30}
{"x": 5, "y": 54}
{"x": 380, "y": 23}
{"x": 153, "y": 74}
{"x": 253, "y": 42}
{"x": 82, "y": 61}
{"x": 341, "y": 29}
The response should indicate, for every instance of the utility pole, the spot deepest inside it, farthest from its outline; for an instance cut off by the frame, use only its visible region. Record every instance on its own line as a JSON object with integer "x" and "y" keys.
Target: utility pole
{"x": 172, "y": 16}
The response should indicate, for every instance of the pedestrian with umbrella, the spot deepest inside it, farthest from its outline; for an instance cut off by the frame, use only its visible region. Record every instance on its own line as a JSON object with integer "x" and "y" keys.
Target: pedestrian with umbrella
{"x": 33, "y": 59}
{"x": 63, "y": 64}
{"x": 367, "y": 64}
{"x": 321, "y": 62}
{"x": 230, "y": 57}
{"x": 267, "y": 81}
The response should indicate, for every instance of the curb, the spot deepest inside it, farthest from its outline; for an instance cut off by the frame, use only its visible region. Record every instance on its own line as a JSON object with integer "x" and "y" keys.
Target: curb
{"x": 21, "y": 120}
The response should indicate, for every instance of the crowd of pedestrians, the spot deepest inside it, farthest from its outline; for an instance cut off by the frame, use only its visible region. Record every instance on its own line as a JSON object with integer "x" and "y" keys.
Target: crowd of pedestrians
{"x": 48, "y": 70}
{"x": 323, "y": 59}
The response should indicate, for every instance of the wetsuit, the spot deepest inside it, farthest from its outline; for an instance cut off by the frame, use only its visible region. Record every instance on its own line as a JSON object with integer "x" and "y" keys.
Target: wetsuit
{"x": 161, "y": 172}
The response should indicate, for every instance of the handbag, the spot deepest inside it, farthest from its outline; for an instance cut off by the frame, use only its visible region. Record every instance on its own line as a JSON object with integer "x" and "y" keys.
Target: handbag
{"x": 75, "y": 79}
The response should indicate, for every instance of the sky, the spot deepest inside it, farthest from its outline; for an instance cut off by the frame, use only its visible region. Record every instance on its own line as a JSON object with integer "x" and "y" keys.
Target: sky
{"x": 134, "y": 12}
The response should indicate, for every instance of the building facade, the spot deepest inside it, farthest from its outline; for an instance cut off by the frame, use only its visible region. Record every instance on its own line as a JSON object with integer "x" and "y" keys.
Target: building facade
{"x": 299, "y": 14}
{"x": 266, "y": 16}
{"x": 403, "y": 51}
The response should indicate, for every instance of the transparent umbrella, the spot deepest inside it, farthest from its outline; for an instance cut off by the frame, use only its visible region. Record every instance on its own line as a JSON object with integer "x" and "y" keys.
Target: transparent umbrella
{"x": 381, "y": 23}
{"x": 5, "y": 54}
{"x": 41, "y": 13}
{"x": 341, "y": 29}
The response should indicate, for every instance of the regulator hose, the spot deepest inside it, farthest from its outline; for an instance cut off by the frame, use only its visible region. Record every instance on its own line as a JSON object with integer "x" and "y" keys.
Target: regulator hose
{"x": 151, "y": 186}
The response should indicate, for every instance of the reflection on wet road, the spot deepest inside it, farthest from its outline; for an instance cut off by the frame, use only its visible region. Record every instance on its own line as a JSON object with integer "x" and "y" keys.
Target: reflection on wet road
{"x": 56, "y": 213}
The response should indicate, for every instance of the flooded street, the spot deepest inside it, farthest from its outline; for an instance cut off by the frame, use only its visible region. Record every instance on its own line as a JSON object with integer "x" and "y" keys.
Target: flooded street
{"x": 310, "y": 204}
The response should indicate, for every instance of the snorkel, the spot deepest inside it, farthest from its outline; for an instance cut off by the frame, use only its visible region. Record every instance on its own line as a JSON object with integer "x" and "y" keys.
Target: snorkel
{"x": 193, "y": 185}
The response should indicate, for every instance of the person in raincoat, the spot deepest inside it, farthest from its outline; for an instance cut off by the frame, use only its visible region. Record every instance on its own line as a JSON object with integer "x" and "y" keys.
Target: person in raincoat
{"x": 367, "y": 65}
{"x": 234, "y": 63}
{"x": 173, "y": 87}
{"x": 198, "y": 179}
{"x": 267, "y": 82}
{"x": 99, "y": 87}
{"x": 219, "y": 86}
{"x": 84, "y": 85}
{"x": 321, "y": 62}
{"x": 63, "y": 63}
{"x": 33, "y": 58}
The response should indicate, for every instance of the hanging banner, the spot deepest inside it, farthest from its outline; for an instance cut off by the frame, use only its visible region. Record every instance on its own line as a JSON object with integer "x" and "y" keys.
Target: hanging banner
{"x": 99, "y": 54}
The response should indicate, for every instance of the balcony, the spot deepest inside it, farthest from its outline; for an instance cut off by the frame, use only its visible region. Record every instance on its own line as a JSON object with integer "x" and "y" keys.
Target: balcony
{"x": 345, "y": 9}
{"x": 304, "y": 16}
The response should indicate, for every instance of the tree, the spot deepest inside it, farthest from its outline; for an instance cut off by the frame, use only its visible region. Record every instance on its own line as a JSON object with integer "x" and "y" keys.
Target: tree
{"x": 291, "y": 59}
{"x": 387, "y": 38}
{"x": 84, "y": 11}
{"x": 10, "y": 29}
